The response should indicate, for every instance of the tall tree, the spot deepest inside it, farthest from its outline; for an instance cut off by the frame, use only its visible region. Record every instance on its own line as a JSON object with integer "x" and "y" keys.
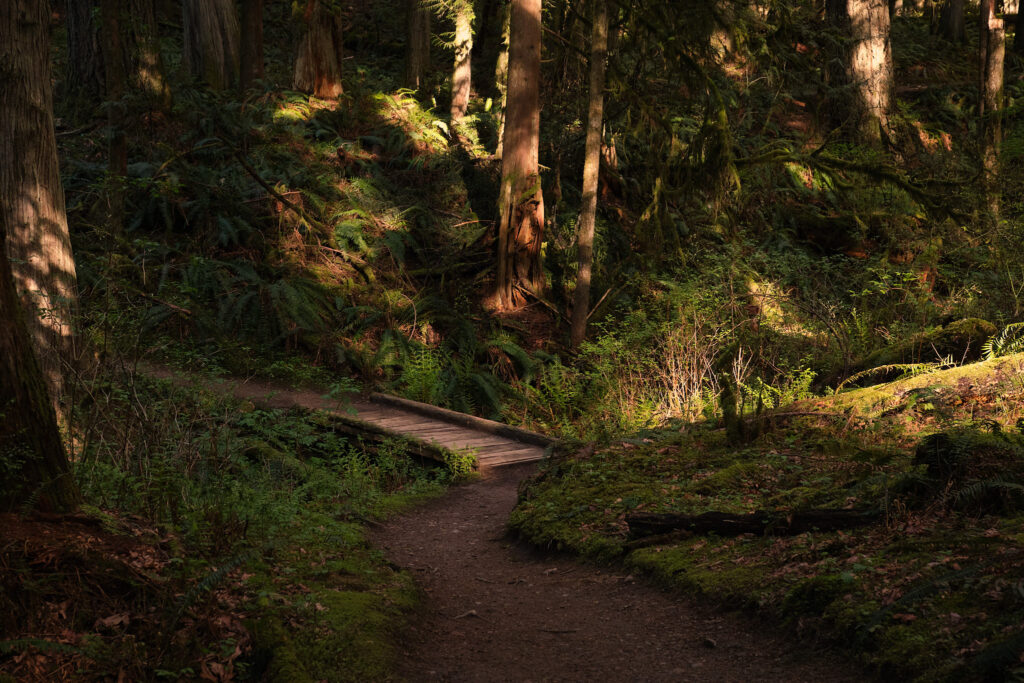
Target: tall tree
{"x": 116, "y": 86}
{"x": 951, "y": 21}
{"x": 147, "y": 74}
{"x": 211, "y": 41}
{"x": 501, "y": 75}
{"x": 318, "y": 64}
{"x": 32, "y": 459}
{"x": 462, "y": 11}
{"x": 84, "y": 76}
{"x": 591, "y": 171}
{"x": 418, "y": 47}
{"x": 31, "y": 196}
{"x": 992, "y": 55}
{"x": 521, "y": 225}
{"x": 868, "y": 66}
{"x": 251, "y": 64}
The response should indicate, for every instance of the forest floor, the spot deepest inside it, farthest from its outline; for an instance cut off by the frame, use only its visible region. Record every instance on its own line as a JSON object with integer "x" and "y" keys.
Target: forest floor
{"x": 497, "y": 609}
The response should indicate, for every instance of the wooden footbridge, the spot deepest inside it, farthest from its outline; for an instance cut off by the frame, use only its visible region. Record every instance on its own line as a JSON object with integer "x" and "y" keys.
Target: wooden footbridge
{"x": 428, "y": 431}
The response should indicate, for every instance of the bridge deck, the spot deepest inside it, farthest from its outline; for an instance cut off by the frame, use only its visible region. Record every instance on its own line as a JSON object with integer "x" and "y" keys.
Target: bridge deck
{"x": 378, "y": 416}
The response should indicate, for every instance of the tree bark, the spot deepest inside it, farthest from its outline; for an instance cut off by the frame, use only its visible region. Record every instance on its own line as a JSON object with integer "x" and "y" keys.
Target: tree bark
{"x": 35, "y": 467}
{"x": 521, "y": 226}
{"x": 251, "y": 64}
{"x": 32, "y": 460}
{"x": 211, "y": 41}
{"x": 868, "y": 66}
{"x": 116, "y": 86}
{"x": 1018, "y": 33}
{"x": 993, "y": 53}
{"x": 591, "y": 172}
{"x": 148, "y": 72}
{"x": 418, "y": 48}
{"x": 318, "y": 65}
{"x": 31, "y": 195}
{"x": 84, "y": 77}
{"x": 462, "y": 74}
{"x": 951, "y": 21}
{"x": 501, "y": 77}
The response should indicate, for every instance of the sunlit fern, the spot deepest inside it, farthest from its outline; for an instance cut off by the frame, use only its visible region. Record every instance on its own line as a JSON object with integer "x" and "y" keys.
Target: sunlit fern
{"x": 1010, "y": 340}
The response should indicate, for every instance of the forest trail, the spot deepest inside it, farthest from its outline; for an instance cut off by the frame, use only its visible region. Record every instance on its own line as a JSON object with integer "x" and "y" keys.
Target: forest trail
{"x": 498, "y": 610}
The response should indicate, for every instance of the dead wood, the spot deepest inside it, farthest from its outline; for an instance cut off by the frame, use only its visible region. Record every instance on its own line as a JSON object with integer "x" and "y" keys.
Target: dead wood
{"x": 762, "y": 522}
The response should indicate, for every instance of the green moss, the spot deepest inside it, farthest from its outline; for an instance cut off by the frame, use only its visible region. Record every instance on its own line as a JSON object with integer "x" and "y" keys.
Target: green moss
{"x": 712, "y": 577}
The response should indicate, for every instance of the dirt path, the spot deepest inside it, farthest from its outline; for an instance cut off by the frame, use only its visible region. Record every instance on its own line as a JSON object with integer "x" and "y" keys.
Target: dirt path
{"x": 498, "y": 611}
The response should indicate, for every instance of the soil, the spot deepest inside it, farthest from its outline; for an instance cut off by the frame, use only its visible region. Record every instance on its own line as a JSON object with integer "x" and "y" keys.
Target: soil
{"x": 496, "y": 609}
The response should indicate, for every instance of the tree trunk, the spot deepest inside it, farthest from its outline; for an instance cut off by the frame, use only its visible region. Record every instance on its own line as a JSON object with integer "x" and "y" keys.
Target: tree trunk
{"x": 418, "y": 48}
{"x": 1018, "y": 33}
{"x": 31, "y": 196}
{"x": 993, "y": 52}
{"x": 501, "y": 76}
{"x": 84, "y": 77}
{"x": 951, "y": 21}
{"x": 148, "y": 73}
{"x": 868, "y": 66}
{"x": 116, "y": 86}
{"x": 521, "y": 226}
{"x": 591, "y": 172}
{"x": 318, "y": 65}
{"x": 462, "y": 73}
{"x": 251, "y": 67}
{"x": 211, "y": 41}
{"x": 32, "y": 458}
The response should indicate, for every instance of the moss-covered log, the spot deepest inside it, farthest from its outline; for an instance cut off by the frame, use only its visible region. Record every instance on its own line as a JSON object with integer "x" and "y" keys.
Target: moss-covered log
{"x": 762, "y": 522}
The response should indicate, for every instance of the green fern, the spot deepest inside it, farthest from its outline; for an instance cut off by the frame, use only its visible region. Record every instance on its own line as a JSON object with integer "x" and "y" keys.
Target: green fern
{"x": 1010, "y": 340}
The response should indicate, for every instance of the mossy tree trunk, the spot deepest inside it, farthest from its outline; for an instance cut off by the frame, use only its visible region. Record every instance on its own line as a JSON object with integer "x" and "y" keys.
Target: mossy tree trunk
{"x": 211, "y": 41}
{"x": 991, "y": 58}
{"x": 591, "y": 172}
{"x": 31, "y": 195}
{"x": 501, "y": 76}
{"x": 463, "y": 72}
{"x": 521, "y": 204}
{"x": 251, "y": 59}
{"x": 33, "y": 466}
{"x": 418, "y": 47}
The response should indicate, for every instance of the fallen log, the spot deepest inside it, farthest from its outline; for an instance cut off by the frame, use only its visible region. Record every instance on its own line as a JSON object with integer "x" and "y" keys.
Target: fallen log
{"x": 762, "y": 522}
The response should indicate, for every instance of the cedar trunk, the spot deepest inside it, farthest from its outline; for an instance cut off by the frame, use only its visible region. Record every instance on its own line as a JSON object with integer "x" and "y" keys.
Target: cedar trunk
{"x": 318, "y": 65}
{"x": 211, "y": 41}
{"x": 31, "y": 195}
{"x": 591, "y": 172}
{"x": 418, "y": 48}
{"x": 951, "y": 21}
{"x": 521, "y": 226}
{"x": 31, "y": 453}
{"x": 868, "y": 66}
{"x": 992, "y": 56}
{"x": 462, "y": 74}
{"x": 116, "y": 85}
{"x": 84, "y": 76}
{"x": 148, "y": 73}
{"x": 251, "y": 67}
